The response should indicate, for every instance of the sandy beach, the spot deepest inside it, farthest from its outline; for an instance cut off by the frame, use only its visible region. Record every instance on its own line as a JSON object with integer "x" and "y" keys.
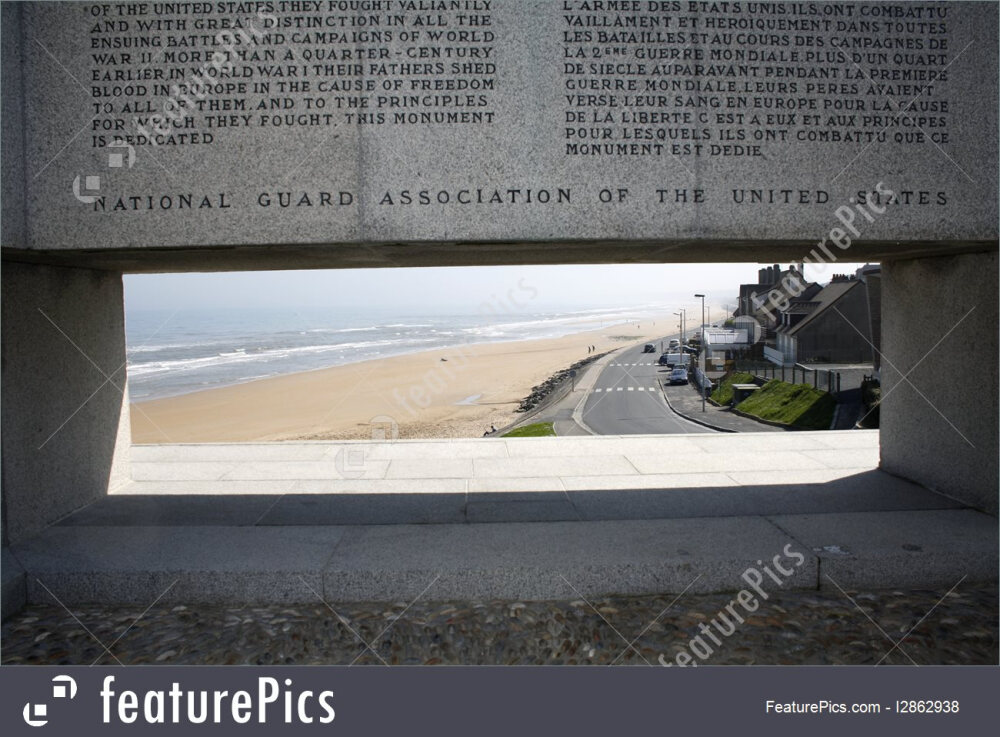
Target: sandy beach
{"x": 452, "y": 392}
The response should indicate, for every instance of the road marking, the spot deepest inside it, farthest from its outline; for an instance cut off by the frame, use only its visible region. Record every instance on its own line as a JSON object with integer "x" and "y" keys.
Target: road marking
{"x": 597, "y": 390}
{"x": 619, "y": 388}
{"x": 631, "y": 388}
{"x": 642, "y": 388}
{"x": 652, "y": 388}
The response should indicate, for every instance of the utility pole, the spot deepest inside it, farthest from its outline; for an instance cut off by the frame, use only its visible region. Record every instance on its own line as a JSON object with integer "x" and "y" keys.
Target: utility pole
{"x": 701, "y": 353}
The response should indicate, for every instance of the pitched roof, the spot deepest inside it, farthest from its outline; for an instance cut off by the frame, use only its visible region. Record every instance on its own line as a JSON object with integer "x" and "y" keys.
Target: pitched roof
{"x": 823, "y": 300}
{"x": 801, "y": 306}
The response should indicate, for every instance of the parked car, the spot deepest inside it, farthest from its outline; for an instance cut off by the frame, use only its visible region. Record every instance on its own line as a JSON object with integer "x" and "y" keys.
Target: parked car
{"x": 671, "y": 359}
{"x": 664, "y": 359}
{"x": 678, "y": 376}
{"x": 674, "y": 343}
{"x": 692, "y": 351}
{"x": 649, "y": 348}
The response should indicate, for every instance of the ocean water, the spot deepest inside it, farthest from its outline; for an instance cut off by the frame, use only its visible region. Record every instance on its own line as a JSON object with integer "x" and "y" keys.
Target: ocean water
{"x": 176, "y": 352}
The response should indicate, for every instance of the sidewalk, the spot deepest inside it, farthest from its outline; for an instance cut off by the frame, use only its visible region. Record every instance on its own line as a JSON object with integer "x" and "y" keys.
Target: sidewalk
{"x": 562, "y": 413}
{"x": 686, "y": 402}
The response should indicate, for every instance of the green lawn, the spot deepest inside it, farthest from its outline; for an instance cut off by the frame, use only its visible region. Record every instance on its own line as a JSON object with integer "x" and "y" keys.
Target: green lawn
{"x": 537, "y": 430}
{"x": 792, "y": 404}
{"x": 723, "y": 393}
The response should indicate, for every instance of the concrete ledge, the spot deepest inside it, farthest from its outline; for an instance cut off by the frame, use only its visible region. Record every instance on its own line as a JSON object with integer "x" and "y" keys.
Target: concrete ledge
{"x": 14, "y": 593}
{"x": 904, "y": 549}
{"x": 557, "y": 560}
{"x": 137, "y": 565}
{"x": 552, "y": 518}
{"x": 535, "y": 560}
{"x": 747, "y": 493}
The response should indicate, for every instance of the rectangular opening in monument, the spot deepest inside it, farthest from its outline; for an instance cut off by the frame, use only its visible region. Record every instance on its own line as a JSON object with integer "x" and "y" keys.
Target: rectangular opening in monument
{"x": 429, "y": 353}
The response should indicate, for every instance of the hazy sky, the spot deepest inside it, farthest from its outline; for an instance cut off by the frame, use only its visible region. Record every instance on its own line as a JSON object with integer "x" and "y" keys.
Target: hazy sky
{"x": 457, "y": 289}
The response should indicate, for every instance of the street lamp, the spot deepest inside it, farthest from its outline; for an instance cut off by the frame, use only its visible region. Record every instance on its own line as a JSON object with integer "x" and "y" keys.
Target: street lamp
{"x": 701, "y": 353}
{"x": 683, "y": 315}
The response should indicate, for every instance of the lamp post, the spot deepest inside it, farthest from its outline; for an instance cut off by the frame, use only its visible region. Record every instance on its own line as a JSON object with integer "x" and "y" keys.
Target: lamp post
{"x": 683, "y": 315}
{"x": 701, "y": 353}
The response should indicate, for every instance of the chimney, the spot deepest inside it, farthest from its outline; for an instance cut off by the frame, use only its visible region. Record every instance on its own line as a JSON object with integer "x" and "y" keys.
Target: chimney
{"x": 761, "y": 275}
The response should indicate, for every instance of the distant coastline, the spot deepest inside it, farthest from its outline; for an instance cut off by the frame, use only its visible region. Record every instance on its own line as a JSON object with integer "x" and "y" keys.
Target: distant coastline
{"x": 452, "y": 391}
{"x": 172, "y": 354}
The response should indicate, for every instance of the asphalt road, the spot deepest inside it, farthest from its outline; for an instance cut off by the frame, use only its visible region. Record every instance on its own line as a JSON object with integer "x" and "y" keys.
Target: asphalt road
{"x": 627, "y": 399}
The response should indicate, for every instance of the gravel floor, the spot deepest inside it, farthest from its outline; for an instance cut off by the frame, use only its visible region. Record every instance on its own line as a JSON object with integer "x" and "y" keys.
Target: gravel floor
{"x": 789, "y": 628}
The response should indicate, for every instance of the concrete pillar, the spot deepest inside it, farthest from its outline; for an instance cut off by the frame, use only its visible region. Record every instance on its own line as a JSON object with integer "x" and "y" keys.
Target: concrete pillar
{"x": 64, "y": 409}
{"x": 939, "y": 331}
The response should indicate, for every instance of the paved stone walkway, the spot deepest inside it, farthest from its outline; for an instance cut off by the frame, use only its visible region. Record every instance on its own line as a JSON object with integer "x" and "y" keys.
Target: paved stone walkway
{"x": 957, "y": 627}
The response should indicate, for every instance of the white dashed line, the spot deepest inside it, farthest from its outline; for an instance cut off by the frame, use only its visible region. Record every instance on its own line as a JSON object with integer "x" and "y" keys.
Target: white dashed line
{"x": 619, "y": 388}
{"x": 631, "y": 388}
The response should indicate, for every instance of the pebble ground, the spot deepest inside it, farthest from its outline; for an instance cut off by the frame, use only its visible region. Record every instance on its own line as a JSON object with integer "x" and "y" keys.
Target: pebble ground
{"x": 794, "y": 628}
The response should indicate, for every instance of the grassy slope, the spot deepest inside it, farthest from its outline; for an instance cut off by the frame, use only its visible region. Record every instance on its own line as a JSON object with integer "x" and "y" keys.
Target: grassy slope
{"x": 793, "y": 404}
{"x": 537, "y": 430}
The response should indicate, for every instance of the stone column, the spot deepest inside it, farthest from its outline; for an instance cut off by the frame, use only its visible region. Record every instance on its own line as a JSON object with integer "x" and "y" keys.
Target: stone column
{"x": 64, "y": 407}
{"x": 939, "y": 375}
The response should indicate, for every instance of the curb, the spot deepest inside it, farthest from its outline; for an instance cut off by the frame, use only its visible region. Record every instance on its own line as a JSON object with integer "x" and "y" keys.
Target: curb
{"x": 692, "y": 419}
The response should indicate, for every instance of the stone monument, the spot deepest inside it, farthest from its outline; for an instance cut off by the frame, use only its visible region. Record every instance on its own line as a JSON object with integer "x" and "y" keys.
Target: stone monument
{"x": 196, "y": 136}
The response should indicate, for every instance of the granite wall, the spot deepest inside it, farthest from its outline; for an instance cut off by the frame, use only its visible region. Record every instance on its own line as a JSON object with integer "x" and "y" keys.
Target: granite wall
{"x": 65, "y": 435}
{"x": 939, "y": 375}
